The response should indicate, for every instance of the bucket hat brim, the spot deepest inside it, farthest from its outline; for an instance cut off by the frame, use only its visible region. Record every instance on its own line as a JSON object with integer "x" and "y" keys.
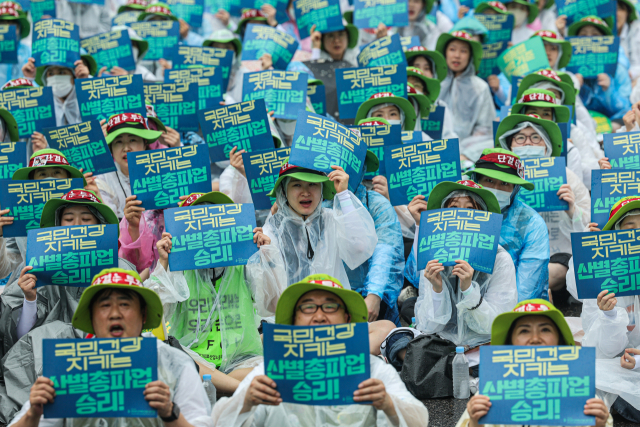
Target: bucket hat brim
{"x": 48, "y": 218}
{"x": 149, "y": 135}
{"x": 568, "y": 89}
{"x": 328, "y": 189}
{"x": 402, "y": 103}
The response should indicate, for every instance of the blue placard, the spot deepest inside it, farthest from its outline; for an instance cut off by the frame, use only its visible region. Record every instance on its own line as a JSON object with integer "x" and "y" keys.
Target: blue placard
{"x": 524, "y": 58}
{"x": 356, "y": 85}
{"x": 378, "y": 137}
{"x": 26, "y": 199}
{"x": 125, "y": 18}
{"x": 622, "y": 149}
{"x": 98, "y": 2}
{"x": 31, "y": 107}
{"x": 284, "y": 92}
{"x": 8, "y": 44}
{"x": 319, "y": 143}
{"x": 369, "y": 13}
{"x": 209, "y": 236}
{"x": 112, "y": 49}
{"x": 609, "y": 186}
{"x": 244, "y": 125}
{"x": 325, "y": 15}
{"x": 234, "y": 7}
{"x": 318, "y": 96}
{"x": 383, "y": 51}
{"x": 189, "y": 10}
{"x": 496, "y": 41}
{"x": 261, "y": 39}
{"x": 42, "y": 8}
{"x": 409, "y": 42}
{"x": 537, "y": 385}
{"x": 71, "y": 255}
{"x": 415, "y": 168}
{"x": 176, "y": 104}
{"x": 199, "y": 57}
{"x": 547, "y": 174}
{"x": 307, "y": 372}
{"x": 55, "y": 42}
{"x": 84, "y": 146}
{"x": 575, "y": 10}
{"x": 209, "y": 84}
{"x": 411, "y": 136}
{"x": 160, "y": 177}
{"x": 100, "y": 98}
{"x": 26, "y": 4}
{"x": 163, "y": 37}
{"x": 450, "y": 234}
{"x": 100, "y": 377}
{"x": 515, "y": 85}
{"x": 434, "y": 125}
{"x": 279, "y": 5}
{"x": 13, "y": 156}
{"x": 262, "y": 169}
{"x": 594, "y": 55}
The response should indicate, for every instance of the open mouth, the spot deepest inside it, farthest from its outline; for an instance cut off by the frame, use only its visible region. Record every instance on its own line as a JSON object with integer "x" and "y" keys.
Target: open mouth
{"x": 305, "y": 204}
{"x": 116, "y": 330}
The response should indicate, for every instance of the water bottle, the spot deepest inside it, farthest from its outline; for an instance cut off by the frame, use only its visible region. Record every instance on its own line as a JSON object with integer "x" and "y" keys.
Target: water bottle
{"x": 460, "y": 375}
{"x": 210, "y": 389}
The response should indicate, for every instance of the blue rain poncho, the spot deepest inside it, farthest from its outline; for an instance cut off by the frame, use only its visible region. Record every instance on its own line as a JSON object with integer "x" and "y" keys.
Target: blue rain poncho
{"x": 382, "y": 273}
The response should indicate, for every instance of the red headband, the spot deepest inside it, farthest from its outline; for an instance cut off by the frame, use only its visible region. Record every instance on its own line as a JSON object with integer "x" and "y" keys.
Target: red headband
{"x": 116, "y": 279}
{"x": 125, "y": 118}
{"x": 373, "y": 123}
{"x": 47, "y": 159}
{"x": 252, "y": 13}
{"x": 11, "y": 5}
{"x": 497, "y": 5}
{"x": 546, "y": 33}
{"x": 382, "y": 95}
{"x": 328, "y": 283}
{"x": 17, "y": 82}
{"x": 461, "y": 35}
{"x": 469, "y": 184}
{"x": 550, "y": 74}
{"x": 9, "y": 11}
{"x": 138, "y": 2}
{"x": 506, "y": 159}
{"x": 537, "y": 96}
{"x": 191, "y": 200}
{"x": 531, "y": 308}
{"x": 418, "y": 49}
{"x": 81, "y": 195}
{"x": 158, "y": 9}
{"x": 626, "y": 202}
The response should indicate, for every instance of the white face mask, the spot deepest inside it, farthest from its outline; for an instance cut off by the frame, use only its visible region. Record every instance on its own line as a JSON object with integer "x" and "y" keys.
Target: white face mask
{"x": 529, "y": 151}
{"x": 504, "y": 197}
{"x": 394, "y": 122}
{"x": 135, "y": 52}
{"x": 520, "y": 16}
{"x": 61, "y": 85}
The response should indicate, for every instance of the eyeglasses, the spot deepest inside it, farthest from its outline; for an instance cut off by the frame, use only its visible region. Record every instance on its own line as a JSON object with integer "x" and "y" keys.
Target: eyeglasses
{"x": 327, "y": 307}
{"x": 521, "y": 139}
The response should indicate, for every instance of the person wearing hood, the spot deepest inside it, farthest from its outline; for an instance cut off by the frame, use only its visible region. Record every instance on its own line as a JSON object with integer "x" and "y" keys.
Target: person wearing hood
{"x": 162, "y": 12}
{"x": 524, "y": 233}
{"x": 419, "y": 25}
{"x": 530, "y": 136}
{"x": 336, "y": 45}
{"x": 139, "y": 48}
{"x": 524, "y": 14}
{"x": 13, "y": 15}
{"x": 91, "y": 19}
{"x": 628, "y": 29}
{"x": 396, "y": 110}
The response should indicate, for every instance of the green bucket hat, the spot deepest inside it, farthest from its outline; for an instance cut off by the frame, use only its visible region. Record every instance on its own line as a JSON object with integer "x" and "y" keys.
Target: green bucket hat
{"x": 504, "y": 165}
{"x": 438, "y": 63}
{"x": 561, "y": 80}
{"x": 633, "y": 15}
{"x": 619, "y": 209}
{"x": 496, "y": 6}
{"x": 464, "y": 36}
{"x": 139, "y": 5}
{"x": 533, "y": 9}
{"x": 88, "y": 60}
{"x": 353, "y": 34}
{"x": 47, "y": 158}
{"x": 307, "y": 175}
{"x": 532, "y": 307}
{"x": 214, "y": 197}
{"x": 552, "y": 129}
{"x": 12, "y": 11}
{"x": 424, "y": 103}
{"x": 224, "y": 36}
{"x": 353, "y": 301}
{"x": 603, "y": 25}
{"x": 432, "y": 86}
{"x": 389, "y": 98}
{"x": 552, "y": 37}
{"x": 10, "y": 124}
{"x": 117, "y": 278}
{"x": 250, "y": 15}
{"x": 158, "y": 9}
{"x": 78, "y": 196}
{"x": 132, "y": 123}
{"x": 443, "y": 189}
{"x": 541, "y": 98}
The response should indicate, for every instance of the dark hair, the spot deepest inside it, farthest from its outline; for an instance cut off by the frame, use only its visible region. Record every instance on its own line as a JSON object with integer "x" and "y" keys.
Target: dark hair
{"x": 475, "y": 204}
{"x": 624, "y": 5}
{"x": 106, "y": 293}
{"x": 561, "y": 340}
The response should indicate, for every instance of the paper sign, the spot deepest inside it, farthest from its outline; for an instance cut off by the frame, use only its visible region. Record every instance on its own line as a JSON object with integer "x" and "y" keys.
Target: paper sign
{"x": 163, "y": 37}
{"x": 261, "y": 39}
{"x": 356, "y": 85}
{"x": 594, "y": 55}
{"x": 112, "y": 49}
{"x": 324, "y": 14}
{"x": 547, "y": 174}
{"x": 209, "y": 84}
{"x": 279, "y": 5}
{"x": 55, "y": 42}
{"x": 125, "y": 18}
{"x": 26, "y": 199}
{"x": 84, "y": 146}
{"x": 100, "y": 377}
{"x": 410, "y": 136}
{"x": 323, "y": 368}
{"x": 209, "y": 236}
{"x": 496, "y": 41}
{"x": 262, "y": 169}
{"x": 284, "y": 92}
{"x": 409, "y": 42}
{"x": 609, "y": 186}
{"x": 416, "y": 168}
{"x": 232, "y": 6}
{"x": 524, "y": 58}
{"x": 8, "y": 44}
{"x": 13, "y": 156}
{"x": 199, "y": 57}
{"x": 318, "y": 97}
{"x": 176, "y": 104}
{"x": 378, "y": 137}
{"x": 100, "y": 98}
{"x": 434, "y": 125}
{"x": 189, "y": 10}
{"x": 31, "y": 107}
{"x": 319, "y": 143}
{"x": 537, "y": 385}
{"x": 71, "y": 255}
{"x": 575, "y": 10}
{"x": 244, "y": 125}
{"x": 160, "y": 177}
{"x": 622, "y": 150}
{"x": 384, "y": 51}
{"x": 369, "y": 13}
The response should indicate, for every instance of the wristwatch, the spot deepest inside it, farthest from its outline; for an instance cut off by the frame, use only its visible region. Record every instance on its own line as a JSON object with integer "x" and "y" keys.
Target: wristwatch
{"x": 175, "y": 414}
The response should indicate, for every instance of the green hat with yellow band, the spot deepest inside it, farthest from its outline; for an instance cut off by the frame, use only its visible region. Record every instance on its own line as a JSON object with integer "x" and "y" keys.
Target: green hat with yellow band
{"x": 47, "y": 158}
{"x": 542, "y": 98}
{"x": 618, "y": 210}
{"x": 476, "y": 47}
{"x": 78, "y": 196}
{"x": 306, "y": 175}
{"x": 502, "y": 164}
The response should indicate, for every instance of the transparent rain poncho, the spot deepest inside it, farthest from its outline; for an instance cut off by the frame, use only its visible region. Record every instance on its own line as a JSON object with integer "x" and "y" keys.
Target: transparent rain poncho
{"x": 423, "y": 28}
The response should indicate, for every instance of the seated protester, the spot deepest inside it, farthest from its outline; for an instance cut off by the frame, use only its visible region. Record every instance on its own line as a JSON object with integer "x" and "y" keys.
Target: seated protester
{"x": 420, "y": 25}
{"x": 628, "y": 29}
{"x": 467, "y": 95}
{"x": 456, "y": 303}
{"x": 116, "y": 305}
{"x": 524, "y": 13}
{"x": 534, "y": 322}
{"x": 396, "y": 110}
{"x": 311, "y": 238}
{"x": 91, "y": 19}
{"x": 162, "y": 12}
{"x": 321, "y": 300}
{"x": 529, "y": 136}
{"x": 523, "y": 234}
{"x": 139, "y": 47}
{"x": 12, "y": 14}
{"x": 604, "y": 94}
{"x": 336, "y": 45}
{"x": 137, "y": 6}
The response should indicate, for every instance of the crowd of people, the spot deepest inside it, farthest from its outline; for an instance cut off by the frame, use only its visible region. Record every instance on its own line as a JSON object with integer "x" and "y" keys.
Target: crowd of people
{"x": 324, "y": 254}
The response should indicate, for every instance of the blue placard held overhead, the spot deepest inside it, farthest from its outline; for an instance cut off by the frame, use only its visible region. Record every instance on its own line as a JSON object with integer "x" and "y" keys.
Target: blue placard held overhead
{"x": 609, "y": 186}
{"x": 209, "y": 83}
{"x": 26, "y": 199}
{"x": 112, "y": 49}
{"x": 100, "y": 377}
{"x": 594, "y": 55}
{"x": 163, "y": 37}
{"x": 496, "y": 41}
{"x": 319, "y": 143}
{"x": 244, "y": 125}
{"x": 378, "y": 137}
{"x": 356, "y": 85}
{"x": 13, "y": 156}
{"x": 199, "y": 57}
{"x": 42, "y": 9}
{"x": 575, "y": 10}
{"x": 8, "y": 44}
{"x": 261, "y": 39}
{"x": 84, "y": 146}
{"x": 547, "y": 174}
{"x": 176, "y": 104}
{"x": 262, "y": 169}
{"x": 325, "y": 15}
{"x": 384, "y": 51}
{"x": 317, "y": 365}
{"x": 100, "y": 98}
{"x": 160, "y": 177}
{"x": 55, "y": 42}
{"x": 31, "y": 107}
{"x": 318, "y": 96}
{"x": 434, "y": 125}
{"x": 415, "y": 168}
{"x": 209, "y": 236}
{"x": 537, "y": 385}
{"x": 189, "y": 10}
{"x": 369, "y": 13}
{"x": 284, "y": 92}
{"x": 622, "y": 149}
{"x": 279, "y": 5}
{"x": 71, "y": 255}
{"x": 125, "y": 18}
{"x": 234, "y": 7}
{"x": 524, "y": 58}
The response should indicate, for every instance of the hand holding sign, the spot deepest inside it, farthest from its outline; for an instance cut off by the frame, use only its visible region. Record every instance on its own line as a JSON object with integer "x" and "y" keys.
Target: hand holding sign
{"x": 416, "y": 207}
{"x": 339, "y": 178}
{"x": 27, "y": 283}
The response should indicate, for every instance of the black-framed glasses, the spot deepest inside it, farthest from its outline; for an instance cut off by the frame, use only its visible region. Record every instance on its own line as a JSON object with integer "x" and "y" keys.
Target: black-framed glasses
{"x": 327, "y": 307}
